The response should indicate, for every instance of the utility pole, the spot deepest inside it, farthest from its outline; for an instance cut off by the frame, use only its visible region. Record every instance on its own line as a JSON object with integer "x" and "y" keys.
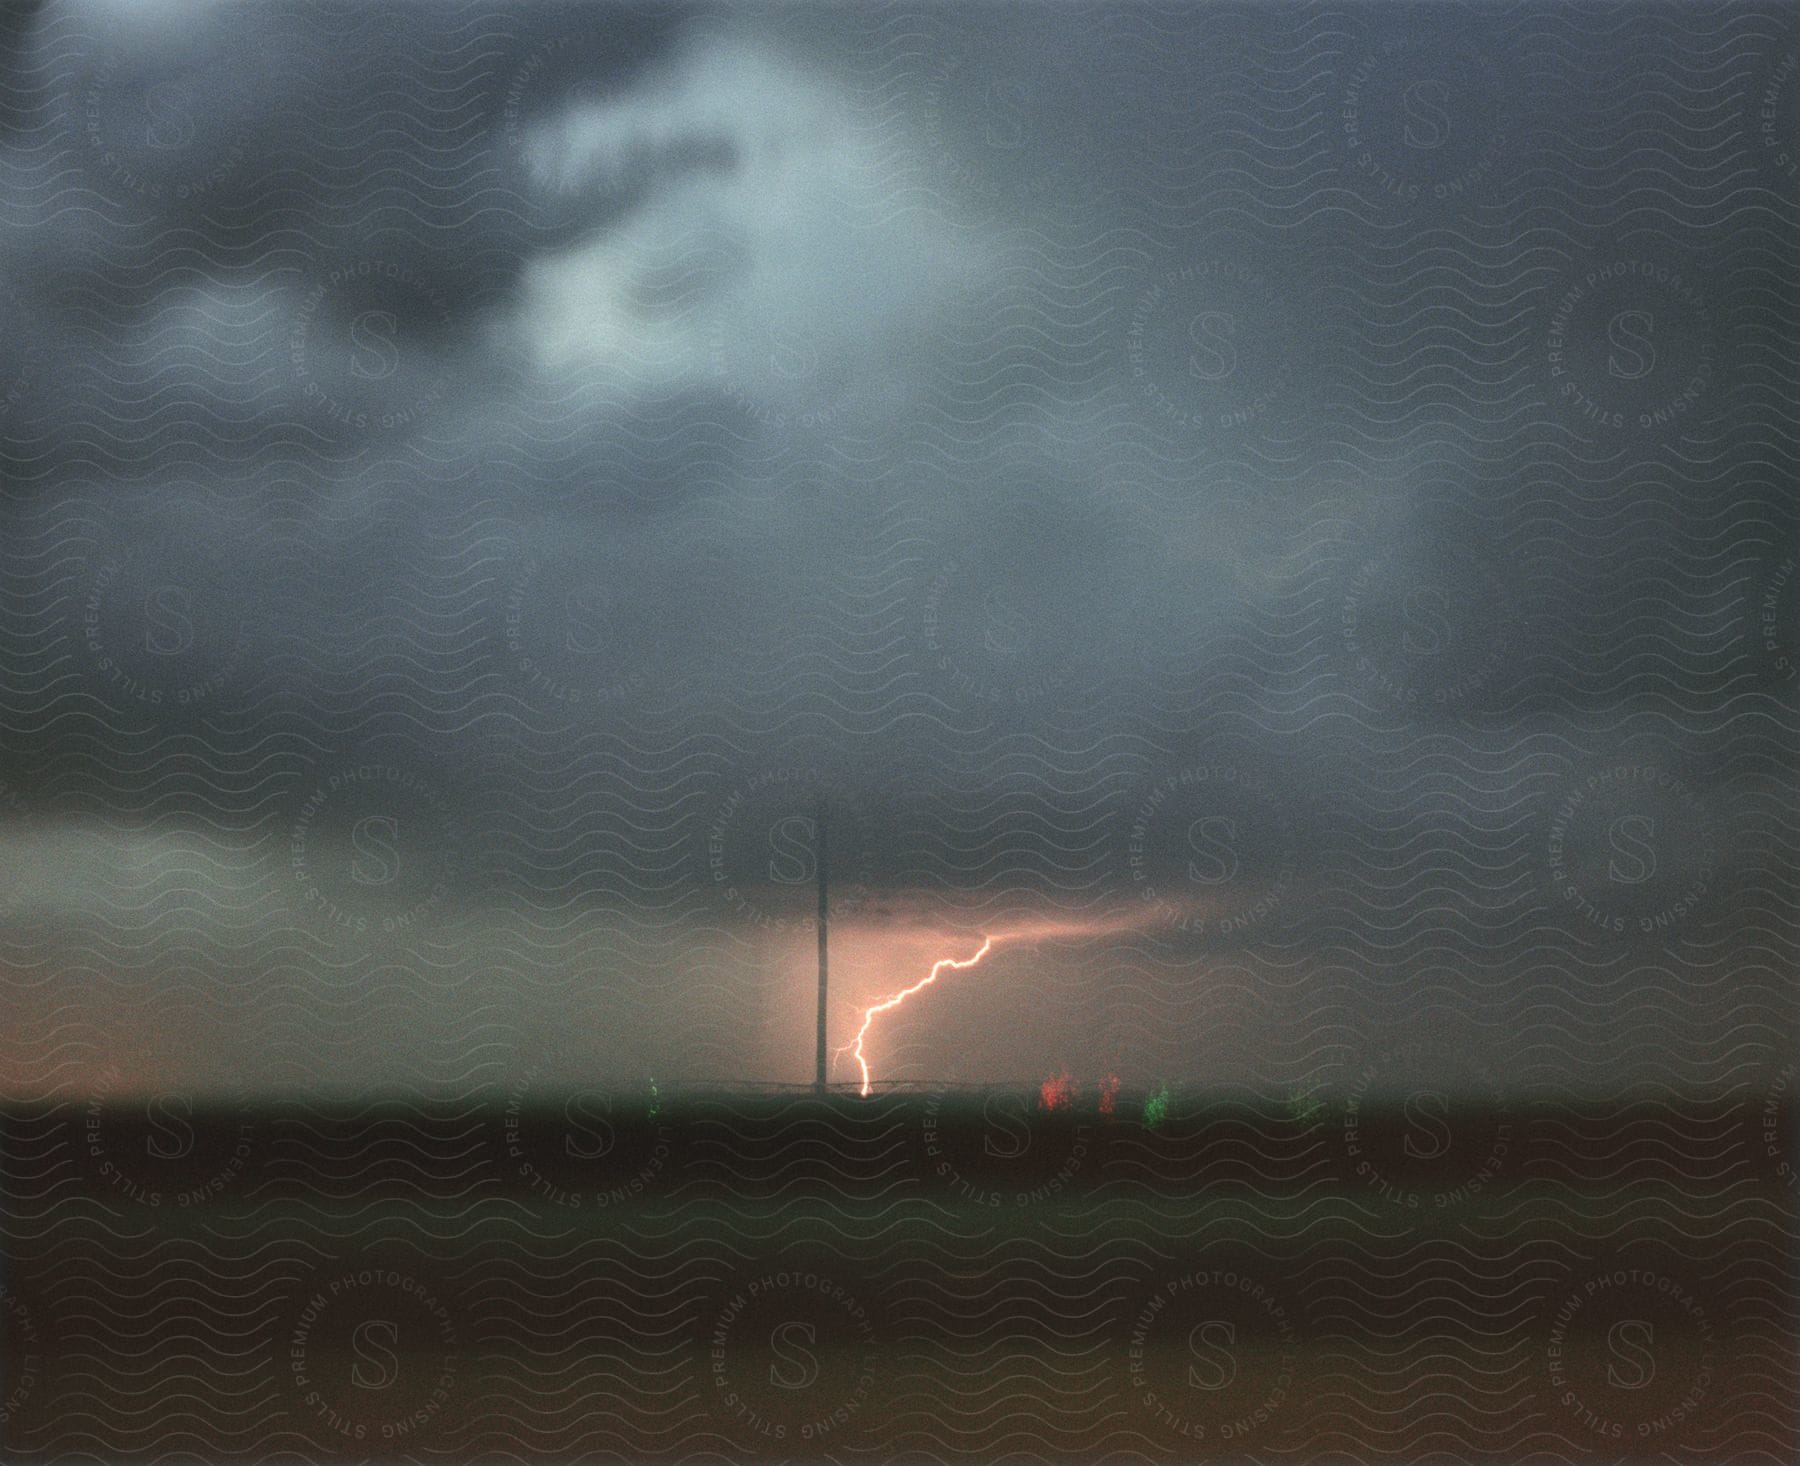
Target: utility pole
{"x": 819, "y": 848}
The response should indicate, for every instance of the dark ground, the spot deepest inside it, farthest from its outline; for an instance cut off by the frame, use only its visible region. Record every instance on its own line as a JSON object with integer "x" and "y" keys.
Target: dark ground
{"x": 912, "y": 1276}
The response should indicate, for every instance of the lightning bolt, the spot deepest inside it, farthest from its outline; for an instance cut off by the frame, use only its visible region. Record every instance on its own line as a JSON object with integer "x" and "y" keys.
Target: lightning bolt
{"x": 886, "y": 1005}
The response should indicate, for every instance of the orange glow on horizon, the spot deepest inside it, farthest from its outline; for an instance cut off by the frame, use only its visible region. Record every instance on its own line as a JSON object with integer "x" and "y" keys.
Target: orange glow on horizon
{"x": 878, "y": 929}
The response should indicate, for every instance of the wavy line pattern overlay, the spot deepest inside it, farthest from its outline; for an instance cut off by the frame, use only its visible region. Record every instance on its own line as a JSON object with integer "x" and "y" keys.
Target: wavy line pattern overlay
{"x": 1276, "y": 527}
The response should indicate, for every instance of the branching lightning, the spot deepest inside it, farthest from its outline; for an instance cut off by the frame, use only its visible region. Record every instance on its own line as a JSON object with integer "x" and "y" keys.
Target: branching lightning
{"x": 890, "y": 1003}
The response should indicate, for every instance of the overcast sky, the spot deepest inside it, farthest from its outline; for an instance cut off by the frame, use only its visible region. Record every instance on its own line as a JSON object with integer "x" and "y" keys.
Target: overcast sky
{"x": 1284, "y": 518}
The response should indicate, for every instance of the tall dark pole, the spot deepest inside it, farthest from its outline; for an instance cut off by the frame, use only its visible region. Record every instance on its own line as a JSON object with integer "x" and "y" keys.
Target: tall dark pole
{"x": 819, "y": 1056}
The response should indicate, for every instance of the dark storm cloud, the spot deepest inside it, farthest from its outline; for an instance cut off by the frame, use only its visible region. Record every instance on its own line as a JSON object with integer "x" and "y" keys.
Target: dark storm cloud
{"x": 541, "y": 396}
{"x": 612, "y": 138}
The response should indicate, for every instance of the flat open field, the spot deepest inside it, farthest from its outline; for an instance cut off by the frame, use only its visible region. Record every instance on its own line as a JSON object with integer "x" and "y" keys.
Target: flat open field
{"x": 913, "y": 1276}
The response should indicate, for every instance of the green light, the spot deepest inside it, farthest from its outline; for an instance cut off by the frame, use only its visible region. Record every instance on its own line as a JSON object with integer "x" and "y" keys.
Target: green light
{"x": 1304, "y": 1105}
